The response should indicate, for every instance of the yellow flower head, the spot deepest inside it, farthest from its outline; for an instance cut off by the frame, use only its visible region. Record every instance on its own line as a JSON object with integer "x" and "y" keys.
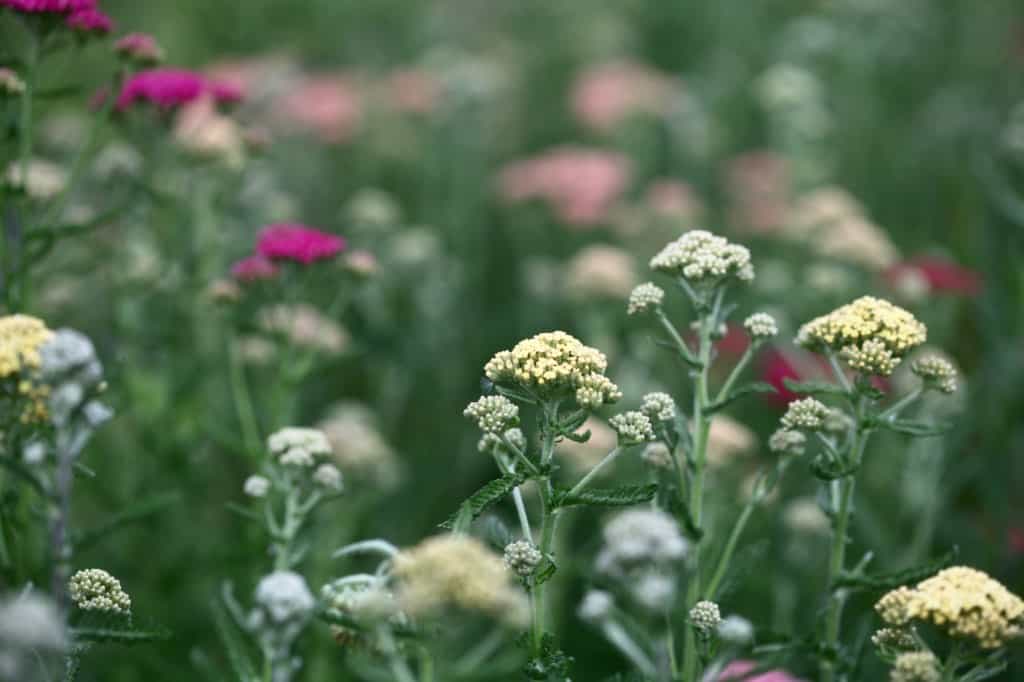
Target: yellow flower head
{"x": 963, "y": 602}
{"x": 457, "y": 571}
{"x": 870, "y": 334}
{"x": 21, "y": 337}
{"x": 555, "y": 365}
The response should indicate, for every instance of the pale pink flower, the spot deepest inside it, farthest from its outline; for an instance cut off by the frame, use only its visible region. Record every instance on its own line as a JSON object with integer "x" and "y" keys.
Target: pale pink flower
{"x": 580, "y": 184}
{"x": 254, "y": 268}
{"x": 414, "y": 91}
{"x": 671, "y": 198}
{"x": 758, "y": 186}
{"x": 738, "y": 669}
{"x": 329, "y": 106}
{"x": 140, "y": 47}
{"x": 294, "y": 242}
{"x": 605, "y": 95}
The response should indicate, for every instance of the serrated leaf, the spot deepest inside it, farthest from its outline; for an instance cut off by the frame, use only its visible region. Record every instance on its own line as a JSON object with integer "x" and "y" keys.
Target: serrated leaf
{"x": 578, "y": 437}
{"x": 114, "y": 635}
{"x": 741, "y": 391}
{"x": 234, "y": 647}
{"x": 919, "y": 429}
{"x": 813, "y": 387}
{"x": 484, "y": 498}
{"x": 889, "y": 581}
{"x": 621, "y": 496}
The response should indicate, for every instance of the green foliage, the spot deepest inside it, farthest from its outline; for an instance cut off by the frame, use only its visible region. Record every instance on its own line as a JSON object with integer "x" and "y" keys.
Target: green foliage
{"x": 481, "y": 500}
{"x": 620, "y": 496}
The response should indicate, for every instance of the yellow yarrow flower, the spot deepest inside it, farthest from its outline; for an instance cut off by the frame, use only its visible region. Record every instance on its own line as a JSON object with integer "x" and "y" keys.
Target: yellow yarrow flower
{"x": 21, "y": 337}
{"x": 964, "y": 602}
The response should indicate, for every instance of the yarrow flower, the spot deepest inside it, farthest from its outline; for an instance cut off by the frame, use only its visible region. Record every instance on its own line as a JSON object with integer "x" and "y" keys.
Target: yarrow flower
{"x": 916, "y": 666}
{"x": 22, "y": 339}
{"x": 736, "y": 630}
{"x": 645, "y": 297}
{"x": 256, "y": 486}
{"x": 787, "y": 442}
{"x": 964, "y": 602}
{"x": 657, "y": 455}
{"x": 254, "y": 268}
{"x": 141, "y": 48}
{"x": 298, "y": 243}
{"x": 705, "y": 616}
{"x": 456, "y": 571}
{"x": 10, "y": 83}
{"x": 808, "y": 414}
{"x": 761, "y": 326}
{"x": 871, "y": 334}
{"x": 48, "y": 6}
{"x": 937, "y": 373}
{"x": 555, "y": 365}
{"x": 894, "y": 639}
{"x": 96, "y": 590}
{"x": 298, "y": 446}
{"x": 328, "y": 476}
{"x": 633, "y": 427}
{"x": 659, "y": 407}
{"x": 285, "y": 596}
{"x": 90, "y": 20}
{"x": 522, "y": 558}
{"x": 638, "y": 537}
{"x": 493, "y": 413}
{"x": 596, "y": 606}
{"x": 169, "y": 88}
{"x": 704, "y": 258}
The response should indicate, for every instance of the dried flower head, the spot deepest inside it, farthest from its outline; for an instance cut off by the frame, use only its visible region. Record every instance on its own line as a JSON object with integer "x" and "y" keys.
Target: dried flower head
{"x": 456, "y": 571}
{"x": 633, "y": 427}
{"x": 256, "y": 486}
{"x": 493, "y": 413}
{"x": 298, "y": 446}
{"x": 522, "y": 558}
{"x": 659, "y": 407}
{"x": 705, "y": 617}
{"x": 285, "y": 596}
{"x": 704, "y": 258}
{"x": 916, "y": 666}
{"x": 298, "y": 243}
{"x": 787, "y": 442}
{"x": 555, "y": 365}
{"x": 807, "y": 414}
{"x": 761, "y": 326}
{"x": 645, "y": 297}
{"x": 936, "y": 372}
{"x": 871, "y": 334}
{"x": 96, "y": 590}
{"x": 964, "y": 602}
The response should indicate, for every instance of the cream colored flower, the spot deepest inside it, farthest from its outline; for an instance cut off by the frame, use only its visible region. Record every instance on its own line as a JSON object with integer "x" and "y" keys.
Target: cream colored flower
{"x": 600, "y": 272}
{"x": 305, "y": 326}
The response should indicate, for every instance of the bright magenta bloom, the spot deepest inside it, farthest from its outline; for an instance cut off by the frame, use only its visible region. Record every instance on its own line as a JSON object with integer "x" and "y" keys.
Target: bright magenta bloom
{"x": 286, "y": 241}
{"x": 49, "y": 6}
{"x": 254, "y": 268}
{"x": 170, "y": 88}
{"x": 90, "y": 21}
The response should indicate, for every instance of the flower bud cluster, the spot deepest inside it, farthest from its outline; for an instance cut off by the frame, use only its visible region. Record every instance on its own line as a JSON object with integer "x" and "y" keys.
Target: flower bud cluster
{"x": 761, "y": 326}
{"x": 808, "y": 414}
{"x": 633, "y": 427}
{"x": 96, "y": 590}
{"x": 916, "y": 666}
{"x": 704, "y": 258}
{"x": 294, "y": 446}
{"x": 705, "y": 616}
{"x": 787, "y": 442}
{"x": 937, "y": 373}
{"x": 659, "y": 407}
{"x": 493, "y": 413}
{"x": 522, "y": 558}
{"x": 644, "y": 298}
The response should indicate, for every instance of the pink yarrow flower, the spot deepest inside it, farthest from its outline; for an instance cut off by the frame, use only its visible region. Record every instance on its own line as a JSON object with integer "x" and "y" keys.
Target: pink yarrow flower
{"x": 328, "y": 106}
{"x": 169, "y": 88}
{"x": 738, "y": 670}
{"x": 287, "y": 241}
{"x": 605, "y": 95}
{"x": 90, "y": 21}
{"x": 254, "y": 268}
{"x": 49, "y": 6}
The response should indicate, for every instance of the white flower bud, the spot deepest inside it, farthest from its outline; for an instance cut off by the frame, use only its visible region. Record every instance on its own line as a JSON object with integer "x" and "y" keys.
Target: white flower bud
{"x": 807, "y": 414}
{"x": 328, "y": 476}
{"x": 285, "y": 596}
{"x": 522, "y": 558}
{"x": 96, "y": 590}
{"x": 645, "y": 297}
{"x": 493, "y": 413}
{"x": 659, "y": 407}
{"x": 596, "y": 606}
{"x": 256, "y": 486}
{"x": 633, "y": 428}
{"x": 705, "y": 616}
{"x": 761, "y": 326}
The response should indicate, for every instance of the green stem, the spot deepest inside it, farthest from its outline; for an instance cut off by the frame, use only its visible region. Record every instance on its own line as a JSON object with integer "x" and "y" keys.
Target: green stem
{"x": 681, "y": 346}
{"x": 609, "y": 458}
{"x": 837, "y": 559}
{"x": 734, "y": 375}
{"x": 730, "y": 547}
{"x": 549, "y": 519}
{"x": 243, "y": 400}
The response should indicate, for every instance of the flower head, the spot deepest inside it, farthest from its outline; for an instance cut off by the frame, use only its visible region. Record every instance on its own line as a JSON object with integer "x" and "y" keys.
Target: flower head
{"x": 704, "y": 258}
{"x": 256, "y": 486}
{"x": 633, "y": 427}
{"x": 607, "y": 94}
{"x": 140, "y": 48}
{"x": 555, "y": 365}
{"x": 90, "y": 21}
{"x": 645, "y": 297}
{"x": 522, "y": 558}
{"x": 706, "y": 617}
{"x": 736, "y": 630}
{"x": 48, "y": 6}
{"x": 493, "y": 413}
{"x": 169, "y": 88}
{"x": 761, "y": 326}
{"x": 328, "y": 476}
{"x": 358, "y": 447}
{"x": 285, "y": 596}
{"x": 96, "y": 590}
{"x": 298, "y": 243}
{"x": 298, "y": 446}
{"x": 456, "y": 571}
{"x": 936, "y": 372}
{"x": 10, "y": 83}
{"x": 808, "y": 414}
{"x": 894, "y": 639}
{"x": 871, "y": 334}
{"x": 964, "y": 602}
{"x": 916, "y": 666}
{"x": 640, "y": 537}
{"x": 787, "y": 442}
{"x": 254, "y": 268}
{"x": 659, "y": 407}
{"x": 596, "y": 606}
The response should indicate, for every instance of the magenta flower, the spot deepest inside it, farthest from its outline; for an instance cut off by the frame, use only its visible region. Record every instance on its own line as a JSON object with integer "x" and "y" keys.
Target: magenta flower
{"x": 49, "y": 6}
{"x": 141, "y": 47}
{"x": 738, "y": 669}
{"x": 287, "y": 241}
{"x": 254, "y": 268}
{"x": 90, "y": 21}
{"x": 170, "y": 88}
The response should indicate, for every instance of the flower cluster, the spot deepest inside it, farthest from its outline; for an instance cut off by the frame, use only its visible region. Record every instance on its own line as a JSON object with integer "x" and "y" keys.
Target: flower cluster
{"x": 80, "y": 15}
{"x": 894, "y": 638}
{"x": 964, "y": 602}
{"x": 787, "y": 442}
{"x": 21, "y": 341}
{"x": 298, "y": 446}
{"x": 916, "y": 666}
{"x": 493, "y": 413}
{"x": 645, "y": 297}
{"x": 761, "y": 326}
{"x": 936, "y": 372}
{"x": 10, "y": 83}
{"x": 705, "y": 616}
{"x": 555, "y": 365}
{"x": 141, "y": 48}
{"x": 96, "y": 590}
{"x": 456, "y": 571}
{"x": 808, "y": 414}
{"x": 168, "y": 88}
{"x": 358, "y": 446}
{"x": 633, "y": 427}
{"x": 298, "y": 243}
{"x": 871, "y": 334}
{"x": 702, "y": 257}
{"x": 659, "y": 407}
{"x": 285, "y": 596}
{"x": 637, "y": 537}
{"x": 522, "y": 558}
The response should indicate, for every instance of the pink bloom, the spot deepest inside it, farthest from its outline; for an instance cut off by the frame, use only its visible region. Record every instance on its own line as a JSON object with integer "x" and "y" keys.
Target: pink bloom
{"x": 225, "y": 92}
{"x": 254, "y": 268}
{"x": 90, "y": 21}
{"x": 328, "y": 106}
{"x": 140, "y": 47}
{"x": 169, "y": 88}
{"x": 413, "y": 91}
{"x": 777, "y": 365}
{"x": 738, "y": 669}
{"x": 49, "y": 6}
{"x": 582, "y": 185}
{"x": 286, "y": 241}
{"x": 942, "y": 276}
{"x": 758, "y": 186}
{"x": 672, "y": 199}
{"x": 605, "y": 95}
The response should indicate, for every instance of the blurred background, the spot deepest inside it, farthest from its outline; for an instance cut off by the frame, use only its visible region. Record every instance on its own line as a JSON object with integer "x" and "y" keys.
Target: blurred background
{"x": 509, "y": 168}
